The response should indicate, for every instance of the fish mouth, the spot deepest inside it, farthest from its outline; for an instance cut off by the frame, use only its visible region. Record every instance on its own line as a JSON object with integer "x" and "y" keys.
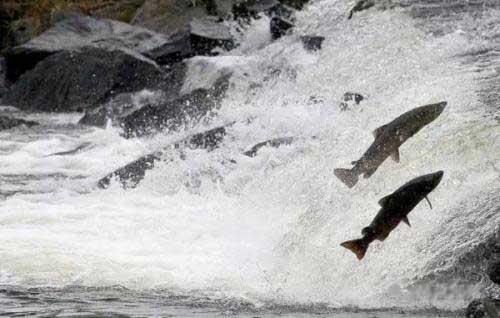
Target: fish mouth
{"x": 437, "y": 177}
{"x": 439, "y": 107}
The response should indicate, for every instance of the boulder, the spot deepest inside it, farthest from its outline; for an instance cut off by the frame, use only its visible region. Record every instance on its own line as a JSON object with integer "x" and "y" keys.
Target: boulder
{"x": 494, "y": 270}
{"x": 123, "y": 10}
{"x": 280, "y": 27}
{"x": 121, "y": 106}
{"x": 206, "y": 35}
{"x": 11, "y": 122}
{"x": 188, "y": 109}
{"x": 3, "y": 80}
{"x": 483, "y": 308}
{"x": 168, "y": 17}
{"x": 79, "y": 32}
{"x": 133, "y": 173}
{"x": 275, "y": 143}
{"x": 312, "y": 43}
{"x": 86, "y": 78}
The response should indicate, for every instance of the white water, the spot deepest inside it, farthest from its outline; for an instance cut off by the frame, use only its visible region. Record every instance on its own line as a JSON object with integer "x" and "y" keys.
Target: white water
{"x": 268, "y": 228}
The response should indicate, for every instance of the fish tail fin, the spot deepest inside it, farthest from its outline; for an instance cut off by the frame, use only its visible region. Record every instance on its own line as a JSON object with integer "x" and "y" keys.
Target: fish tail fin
{"x": 347, "y": 176}
{"x": 358, "y": 247}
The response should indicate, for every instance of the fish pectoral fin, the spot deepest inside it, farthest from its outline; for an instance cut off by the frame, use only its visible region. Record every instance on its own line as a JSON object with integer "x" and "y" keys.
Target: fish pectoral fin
{"x": 428, "y": 201}
{"x": 395, "y": 155}
{"x": 377, "y": 132}
{"x": 369, "y": 173}
{"x": 382, "y": 202}
{"x": 405, "y": 219}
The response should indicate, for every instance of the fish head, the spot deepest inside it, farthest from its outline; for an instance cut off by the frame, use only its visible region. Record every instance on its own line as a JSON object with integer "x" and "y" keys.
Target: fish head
{"x": 429, "y": 182}
{"x": 429, "y": 113}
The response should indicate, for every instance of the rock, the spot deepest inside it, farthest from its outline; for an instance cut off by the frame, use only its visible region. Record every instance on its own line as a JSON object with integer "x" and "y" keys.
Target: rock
{"x": 11, "y": 122}
{"x": 350, "y": 99}
{"x": 280, "y": 27}
{"x": 72, "y": 151}
{"x": 312, "y": 43}
{"x": 79, "y": 32}
{"x": 133, "y": 173}
{"x": 206, "y": 35}
{"x": 494, "y": 270}
{"x": 360, "y": 6}
{"x": 250, "y": 8}
{"x": 3, "y": 80}
{"x": 171, "y": 115}
{"x": 483, "y": 308}
{"x": 72, "y": 80}
{"x": 121, "y": 106}
{"x": 275, "y": 143}
{"x": 124, "y": 10}
{"x": 296, "y": 4}
{"x": 168, "y": 17}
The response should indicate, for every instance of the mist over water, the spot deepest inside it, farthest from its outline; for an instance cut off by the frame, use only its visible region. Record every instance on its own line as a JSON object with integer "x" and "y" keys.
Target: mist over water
{"x": 268, "y": 229}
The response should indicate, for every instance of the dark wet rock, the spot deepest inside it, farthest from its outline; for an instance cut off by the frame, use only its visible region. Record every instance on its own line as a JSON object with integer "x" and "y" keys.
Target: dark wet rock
{"x": 206, "y": 35}
{"x": 3, "y": 79}
{"x": 280, "y": 27}
{"x": 121, "y": 106}
{"x": 483, "y": 308}
{"x": 351, "y": 99}
{"x": 72, "y": 80}
{"x": 312, "y": 43}
{"x": 11, "y": 122}
{"x": 133, "y": 173}
{"x": 78, "y": 32}
{"x": 188, "y": 109}
{"x": 251, "y": 8}
{"x": 494, "y": 270}
{"x": 275, "y": 143}
{"x": 360, "y": 6}
{"x": 72, "y": 151}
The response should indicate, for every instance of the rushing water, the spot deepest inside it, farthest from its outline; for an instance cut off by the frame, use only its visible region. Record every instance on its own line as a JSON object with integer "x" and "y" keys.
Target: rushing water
{"x": 219, "y": 233}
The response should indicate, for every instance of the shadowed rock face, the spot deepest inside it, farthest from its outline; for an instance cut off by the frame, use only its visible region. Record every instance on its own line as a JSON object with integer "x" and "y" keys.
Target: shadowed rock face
{"x": 133, "y": 173}
{"x": 78, "y": 32}
{"x": 171, "y": 115}
{"x": 312, "y": 43}
{"x": 494, "y": 268}
{"x": 280, "y": 27}
{"x": 275, "y": 143}
{"x": 70, "y": 80}
{"x": 10, "y": 122}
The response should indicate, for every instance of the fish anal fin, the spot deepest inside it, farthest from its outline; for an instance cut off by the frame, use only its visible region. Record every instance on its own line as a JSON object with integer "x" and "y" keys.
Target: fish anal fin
{"x": 395, "y": 155}
{"x": 377, "y": 132}
{"x": 369, "y": 173}
{"x": 405, "y": 219}
{"x": 383, "y": 236}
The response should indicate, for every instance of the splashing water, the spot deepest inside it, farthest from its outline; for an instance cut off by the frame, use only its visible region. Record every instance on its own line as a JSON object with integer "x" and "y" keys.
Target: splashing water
{"x": 268, "y": 228}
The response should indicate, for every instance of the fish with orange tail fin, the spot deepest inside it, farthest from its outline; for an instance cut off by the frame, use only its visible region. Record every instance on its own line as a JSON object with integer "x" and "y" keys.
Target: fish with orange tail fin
{"x": 394, "y": 209}
{"x": 388, "y": 139}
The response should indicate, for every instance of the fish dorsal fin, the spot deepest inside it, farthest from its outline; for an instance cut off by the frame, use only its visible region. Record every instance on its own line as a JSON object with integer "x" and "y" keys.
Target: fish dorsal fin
{"x": 405, "y": 219}
{"x": 380, "y": 130}
{"x": 395, "y": 155}
{"x": 382, "y": 202}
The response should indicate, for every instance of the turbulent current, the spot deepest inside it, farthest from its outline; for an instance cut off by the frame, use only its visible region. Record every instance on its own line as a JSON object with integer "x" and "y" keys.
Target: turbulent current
{"x": 222, "y": 230}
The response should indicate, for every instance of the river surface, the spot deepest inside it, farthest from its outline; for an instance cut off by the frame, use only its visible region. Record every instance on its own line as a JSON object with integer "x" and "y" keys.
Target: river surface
{"x": 220, "y": 234}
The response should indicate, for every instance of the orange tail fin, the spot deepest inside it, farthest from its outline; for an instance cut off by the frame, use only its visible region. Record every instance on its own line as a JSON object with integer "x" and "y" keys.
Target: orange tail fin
{"x": 358, "y": 247}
